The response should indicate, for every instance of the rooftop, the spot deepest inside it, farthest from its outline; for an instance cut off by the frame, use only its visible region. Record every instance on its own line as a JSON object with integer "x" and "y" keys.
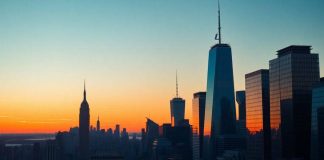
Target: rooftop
{"x": 220, "y": 45}
{"x": 294, "y": 49}
{"x": 260, "y": 71}
{"x": 199, "y": 94}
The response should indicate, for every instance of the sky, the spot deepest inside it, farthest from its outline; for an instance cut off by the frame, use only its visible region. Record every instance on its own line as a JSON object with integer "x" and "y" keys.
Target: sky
{"x": 128, "y": 52}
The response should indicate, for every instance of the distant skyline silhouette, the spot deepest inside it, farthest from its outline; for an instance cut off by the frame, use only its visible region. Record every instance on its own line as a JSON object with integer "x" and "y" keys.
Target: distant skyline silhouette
{"x": 128, "y": 51}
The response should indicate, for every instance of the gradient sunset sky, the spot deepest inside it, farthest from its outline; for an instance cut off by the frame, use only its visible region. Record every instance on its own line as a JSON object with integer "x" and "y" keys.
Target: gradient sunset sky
{"x": 128, "y": 51}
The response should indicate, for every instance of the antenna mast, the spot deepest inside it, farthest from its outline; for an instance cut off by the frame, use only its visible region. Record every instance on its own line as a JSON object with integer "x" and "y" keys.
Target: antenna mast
{"x": 177, "y": 93}
{"x": 219, "y": 25}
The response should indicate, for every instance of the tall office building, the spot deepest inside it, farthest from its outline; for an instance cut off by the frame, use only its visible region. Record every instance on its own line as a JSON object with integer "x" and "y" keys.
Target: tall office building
{"x": 198, "y": 117}
{"x": 240, "y": 99}
{"x": 117, "y": 131}
{"x": 152, "y": 132}
{"x": 292, "y": 75}
{"x": 177, "y": 107}
{"x": 98, "y": 124}
{"x": 220, "y": 114}
{"x": 317, "y": 127}
{"x": 258, "y": 115}
{"x": 241, "y": 122}
{"x": 84, "y": 122}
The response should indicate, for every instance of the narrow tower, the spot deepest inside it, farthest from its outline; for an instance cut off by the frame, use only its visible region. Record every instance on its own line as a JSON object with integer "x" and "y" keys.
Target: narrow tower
{"x": 177, "y": 92}
{"x": 98, "y": 124}
{"x": 84, "y": 122}
{"x": 220, "y": 116}
{"x": 177, "y": 107}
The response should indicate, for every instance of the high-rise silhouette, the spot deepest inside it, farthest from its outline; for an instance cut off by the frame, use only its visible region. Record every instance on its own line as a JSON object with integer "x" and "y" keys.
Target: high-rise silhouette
{"x": 220, "y": 114}
{"x": 292, "y": 75}
{"x": 241, "y": 122}
{"x": 198, "y": 117}
{"x": 84, "y": 122}
{"x": 98, "y": 124}
{"x": 177, "y": 107}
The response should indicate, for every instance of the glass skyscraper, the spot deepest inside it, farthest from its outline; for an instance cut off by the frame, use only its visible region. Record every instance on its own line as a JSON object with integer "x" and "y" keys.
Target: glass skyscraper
{"x": 317, "y": 127}
{"x": 220, "y": 114}
{"x": 258, "y": 115}
{"x": 198, "y": 117}
{"x": 292, "y": 75}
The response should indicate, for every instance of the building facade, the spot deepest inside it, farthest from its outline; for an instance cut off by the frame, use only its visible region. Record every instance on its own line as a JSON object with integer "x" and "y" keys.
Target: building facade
{"x": 317, "y": 129}
{"x": 258, "y": 115}
{"x": 198, "y": 117}
{"x": 292, "y": 75}
{"x": 220, "y": 113}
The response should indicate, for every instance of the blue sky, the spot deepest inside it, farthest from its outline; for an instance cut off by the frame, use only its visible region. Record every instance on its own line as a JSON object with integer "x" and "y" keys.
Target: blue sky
{"x": 126, "y": 46}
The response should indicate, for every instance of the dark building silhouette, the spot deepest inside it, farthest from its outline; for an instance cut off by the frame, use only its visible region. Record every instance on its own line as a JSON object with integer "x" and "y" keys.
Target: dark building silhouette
{"x": 198, "y": 117}
{"x": 220, "y": 114}
{"x": 84, "y": 122}
{"x": 240, "y": 99}
{"x": 37, "y": 151}
{"x": 317, "y": 126}
{"x": 98, "y": 124}
{"x": 181, "y": 140}
{"x": 152, "y": 132}
{"x": 258, "y": 115}
{"x": 117, "y": 131}
{"x": 241, "y": 122}
{"x": 162, "y": 149}
{"x": 177, "y": 107}
{"x": 292, "y": 75}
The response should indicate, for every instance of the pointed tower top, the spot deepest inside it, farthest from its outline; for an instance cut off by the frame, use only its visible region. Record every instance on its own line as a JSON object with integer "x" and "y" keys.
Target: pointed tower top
{"x": 177, "y": 92}
{"x": 98, "y": 117}
{"x": 219, "y": 35}
{"x": 84, "y": 91}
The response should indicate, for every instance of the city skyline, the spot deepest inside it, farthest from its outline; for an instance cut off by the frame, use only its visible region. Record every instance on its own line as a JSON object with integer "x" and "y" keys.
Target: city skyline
{"x": 131, "y": 72}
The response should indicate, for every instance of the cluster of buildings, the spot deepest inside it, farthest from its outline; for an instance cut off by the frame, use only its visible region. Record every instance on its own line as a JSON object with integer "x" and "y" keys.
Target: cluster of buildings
{"x": 281, "y": 112}
{"x": 281, "y": 117}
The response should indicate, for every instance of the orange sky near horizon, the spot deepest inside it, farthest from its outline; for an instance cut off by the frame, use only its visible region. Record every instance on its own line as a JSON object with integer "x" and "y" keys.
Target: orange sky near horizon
{"x": 51, "y": 109}
{"x": 128, "y": 52}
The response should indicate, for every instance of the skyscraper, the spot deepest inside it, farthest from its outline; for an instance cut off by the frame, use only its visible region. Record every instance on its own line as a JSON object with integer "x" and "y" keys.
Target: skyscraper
{"x": 220, "y": 116}
{"x": 292, "y": 75}
{"x": 198, "y": 117}
{"x": 152, "y": 132}
{"x": 177, "y": 107}
{"x": 117, "y": 131}
{"x": 98, "y": 124}
{"x": 240, "y": 99}
{"x": 258, "y": 115}
{"x": 317, "y": 127}
{"x": 241, "y": 122}
{"x": 84, "y": 122}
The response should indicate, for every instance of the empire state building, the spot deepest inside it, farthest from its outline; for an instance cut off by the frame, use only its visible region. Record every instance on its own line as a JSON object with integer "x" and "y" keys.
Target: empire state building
{"x": 84, "y": 120}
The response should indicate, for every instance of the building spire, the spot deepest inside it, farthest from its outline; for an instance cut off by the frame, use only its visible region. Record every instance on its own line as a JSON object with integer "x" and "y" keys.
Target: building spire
{"x": 84, "y": 91}
{"x": 219, "y": 35}
{"x": 177, "y": 92}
